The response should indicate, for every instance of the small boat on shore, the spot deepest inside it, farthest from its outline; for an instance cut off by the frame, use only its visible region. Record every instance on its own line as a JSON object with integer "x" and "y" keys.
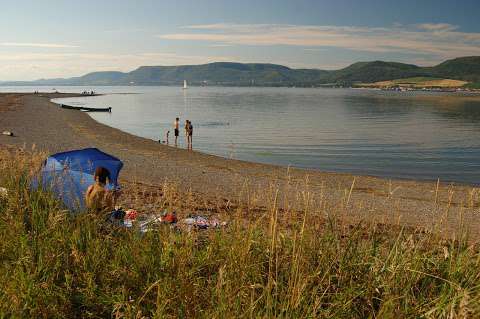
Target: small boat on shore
{"x": 87, "y": 109}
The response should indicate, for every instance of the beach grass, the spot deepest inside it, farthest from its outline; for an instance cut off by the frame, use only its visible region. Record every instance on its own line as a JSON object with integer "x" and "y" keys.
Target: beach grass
{"x": 267, "y": 262}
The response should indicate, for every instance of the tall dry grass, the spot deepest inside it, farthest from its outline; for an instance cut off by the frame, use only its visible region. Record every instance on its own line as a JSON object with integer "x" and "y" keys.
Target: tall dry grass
{"x": 281, "y": 263}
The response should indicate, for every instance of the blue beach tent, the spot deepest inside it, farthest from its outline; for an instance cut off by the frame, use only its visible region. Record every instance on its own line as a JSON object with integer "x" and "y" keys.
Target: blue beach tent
{"x": 69, "y": 174}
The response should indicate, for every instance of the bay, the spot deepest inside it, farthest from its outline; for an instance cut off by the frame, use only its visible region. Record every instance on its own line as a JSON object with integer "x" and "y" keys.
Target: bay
{"x": 414, "y": 135}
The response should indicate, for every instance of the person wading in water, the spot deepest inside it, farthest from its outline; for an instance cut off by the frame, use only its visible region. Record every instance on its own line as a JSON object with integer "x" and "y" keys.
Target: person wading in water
{"x": 189, "y": 130}
{"x": 176, "y": 126}
{"x": 188, "y": 133}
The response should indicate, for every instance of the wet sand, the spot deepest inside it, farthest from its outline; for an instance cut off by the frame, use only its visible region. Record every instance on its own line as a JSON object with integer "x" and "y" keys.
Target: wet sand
{"x": 36, "y": 121}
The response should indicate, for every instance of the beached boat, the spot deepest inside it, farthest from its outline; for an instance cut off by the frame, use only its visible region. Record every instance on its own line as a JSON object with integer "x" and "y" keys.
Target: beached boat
{"x": 87, "y": 109}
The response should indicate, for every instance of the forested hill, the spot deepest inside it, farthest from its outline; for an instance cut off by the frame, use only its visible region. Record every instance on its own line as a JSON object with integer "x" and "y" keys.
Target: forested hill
{"x": 257, "y": 74}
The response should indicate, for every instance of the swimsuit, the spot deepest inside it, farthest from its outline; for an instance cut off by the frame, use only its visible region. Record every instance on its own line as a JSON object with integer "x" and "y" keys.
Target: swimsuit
{"x": 176, "y": 128}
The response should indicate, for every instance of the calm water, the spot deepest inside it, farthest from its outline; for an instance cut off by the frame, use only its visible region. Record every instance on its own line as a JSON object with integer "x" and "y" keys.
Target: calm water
{"x": 401, "y": 135}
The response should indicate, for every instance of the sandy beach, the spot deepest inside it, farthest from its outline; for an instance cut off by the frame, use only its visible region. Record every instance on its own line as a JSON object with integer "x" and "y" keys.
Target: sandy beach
{"x": 36, "y": 121}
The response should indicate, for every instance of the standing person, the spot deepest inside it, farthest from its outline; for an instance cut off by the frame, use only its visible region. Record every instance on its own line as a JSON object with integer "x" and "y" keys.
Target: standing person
{"x": 186, "y": 132}
{"x": 176, "y": 126}
{"x": 190, "y": 134}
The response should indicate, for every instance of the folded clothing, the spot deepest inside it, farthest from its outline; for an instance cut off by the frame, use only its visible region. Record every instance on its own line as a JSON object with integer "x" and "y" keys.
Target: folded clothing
{"x": 131, "y": 214}
{"x": 201, "y": 222}
{"x": 116, "y": 217}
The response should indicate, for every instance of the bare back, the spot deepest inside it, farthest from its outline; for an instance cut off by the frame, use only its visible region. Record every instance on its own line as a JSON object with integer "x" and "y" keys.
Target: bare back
{"x": 98, "y": 198}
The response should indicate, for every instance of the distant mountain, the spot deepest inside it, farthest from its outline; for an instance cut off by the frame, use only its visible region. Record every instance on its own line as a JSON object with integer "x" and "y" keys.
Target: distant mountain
{"x": 264, "y": 74}
{"x": 368, "y": 72}
{"x": 467, "y": 69}
{"x": 221, "y": 73}
{"x": 94, "y": 78}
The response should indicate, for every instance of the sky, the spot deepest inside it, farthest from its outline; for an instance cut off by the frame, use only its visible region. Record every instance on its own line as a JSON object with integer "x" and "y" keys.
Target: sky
{"x": 53, "y": 38}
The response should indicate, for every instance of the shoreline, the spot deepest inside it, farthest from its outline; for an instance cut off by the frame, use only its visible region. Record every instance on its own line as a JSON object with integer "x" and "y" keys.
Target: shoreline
{"x": 35, "y": 120}
{"x": 279, "y": 166}
{"x": 448, "y": 97}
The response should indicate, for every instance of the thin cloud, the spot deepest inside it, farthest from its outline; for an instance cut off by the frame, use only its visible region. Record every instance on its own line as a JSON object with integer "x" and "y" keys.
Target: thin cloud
{"x": 32, "y": 66}
{"x": 220, "y": 45}
{"x": 439, "y": 27}
{"x": 123, "y": 31}
{"x": 439, "y": 40}
{"x": 38, "y": 45}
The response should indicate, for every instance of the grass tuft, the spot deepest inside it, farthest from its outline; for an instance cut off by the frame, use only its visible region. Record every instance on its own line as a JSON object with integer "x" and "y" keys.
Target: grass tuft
{"x": 53, "y": 264}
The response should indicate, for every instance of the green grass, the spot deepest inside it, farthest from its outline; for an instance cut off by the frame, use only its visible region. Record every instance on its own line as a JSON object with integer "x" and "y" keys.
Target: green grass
{"x": 55, "y": 265}
{"x": 475, "y": 86}
{"x": 415, "y": 80}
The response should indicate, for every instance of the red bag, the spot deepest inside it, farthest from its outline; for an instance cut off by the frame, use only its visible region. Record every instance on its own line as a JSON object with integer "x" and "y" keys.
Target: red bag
{"x": 131, "y": 214}
{"x": 170, "y": 218}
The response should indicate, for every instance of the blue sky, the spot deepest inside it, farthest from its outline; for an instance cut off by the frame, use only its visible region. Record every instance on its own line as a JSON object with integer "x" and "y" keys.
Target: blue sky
{"x": 52, "y": 38}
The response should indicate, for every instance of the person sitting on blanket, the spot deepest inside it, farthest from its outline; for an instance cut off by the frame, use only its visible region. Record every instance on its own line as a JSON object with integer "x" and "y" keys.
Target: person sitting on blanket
{"x": 98, "y": 198}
